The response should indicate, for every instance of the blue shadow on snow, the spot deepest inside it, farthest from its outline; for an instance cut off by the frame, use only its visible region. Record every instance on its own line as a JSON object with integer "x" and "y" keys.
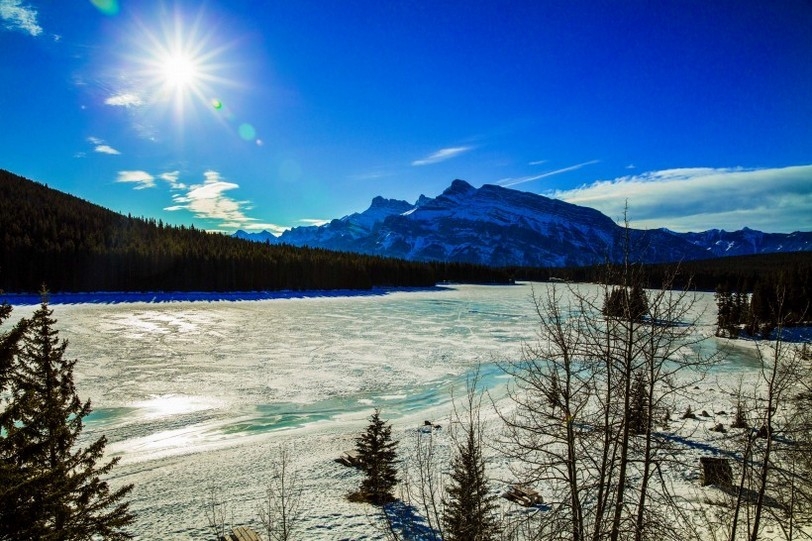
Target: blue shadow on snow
{"x": 408, "y": 523}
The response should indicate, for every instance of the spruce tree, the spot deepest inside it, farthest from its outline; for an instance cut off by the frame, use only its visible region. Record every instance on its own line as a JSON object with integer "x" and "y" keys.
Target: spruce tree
{"x": 469, "y": 512}
{"x": 377, "y": 455}
{"x": 627, "y": 305}
{"x": 638, "y": 414}
{"x": 57, "y": 491}
{"x": 10, "y": 477}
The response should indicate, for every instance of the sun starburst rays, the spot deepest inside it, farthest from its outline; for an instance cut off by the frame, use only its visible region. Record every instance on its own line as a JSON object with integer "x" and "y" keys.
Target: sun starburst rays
{"x": 177, "y": 68}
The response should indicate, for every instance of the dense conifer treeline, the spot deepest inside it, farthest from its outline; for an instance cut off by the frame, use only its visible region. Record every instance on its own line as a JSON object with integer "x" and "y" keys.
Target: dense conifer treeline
{"x": 47, "y": 236}
{"x": 739, "y": 273}
{"x": 786, "y": 301}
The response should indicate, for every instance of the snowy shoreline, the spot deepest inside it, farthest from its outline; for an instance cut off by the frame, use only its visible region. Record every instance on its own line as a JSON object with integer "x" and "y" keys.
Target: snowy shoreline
{"x": 157, "y": 297}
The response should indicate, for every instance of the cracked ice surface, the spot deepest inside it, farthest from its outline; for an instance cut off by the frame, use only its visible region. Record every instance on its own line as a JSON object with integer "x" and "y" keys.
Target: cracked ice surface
{"x": 197, "y": 394}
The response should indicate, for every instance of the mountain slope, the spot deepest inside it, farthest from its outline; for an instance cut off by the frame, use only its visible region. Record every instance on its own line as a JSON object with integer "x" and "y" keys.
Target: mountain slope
{"x": 69, "y": 244}
{"x": 497, "y": 226}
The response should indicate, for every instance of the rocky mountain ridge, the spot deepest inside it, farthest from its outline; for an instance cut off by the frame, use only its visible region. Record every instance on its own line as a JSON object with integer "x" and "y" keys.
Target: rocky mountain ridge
{"x": 498, "y": 226}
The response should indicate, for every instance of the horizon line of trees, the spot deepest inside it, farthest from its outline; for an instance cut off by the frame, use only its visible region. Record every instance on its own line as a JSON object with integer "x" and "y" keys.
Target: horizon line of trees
{"x": 784, "y": 302}
{"x": 50, "y": 237}
{"x": 47, "y": 236}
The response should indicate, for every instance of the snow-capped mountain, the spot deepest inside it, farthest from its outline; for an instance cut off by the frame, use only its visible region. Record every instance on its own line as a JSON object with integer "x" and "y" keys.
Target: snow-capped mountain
{"x": 498, "y": 226}
{"x": 720, "y": 243}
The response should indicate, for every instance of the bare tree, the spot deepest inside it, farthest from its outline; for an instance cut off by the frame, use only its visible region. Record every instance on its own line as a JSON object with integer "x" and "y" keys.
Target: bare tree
{"x": 457, "y": 504}
{"x": 216, "y": 511}
{"x": 469, "y": 508}
{"x": 281, "y": 511}
{"x": 423, "y": 484}
{"x": 576, "y": 429}
{"x": 775, "y": 481}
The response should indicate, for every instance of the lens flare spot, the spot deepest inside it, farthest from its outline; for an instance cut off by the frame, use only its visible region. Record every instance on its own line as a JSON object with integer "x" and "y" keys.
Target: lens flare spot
{"x": 247, "y": 131}
{"x": 217, "y": 104}
{"x": 108, "y": 7}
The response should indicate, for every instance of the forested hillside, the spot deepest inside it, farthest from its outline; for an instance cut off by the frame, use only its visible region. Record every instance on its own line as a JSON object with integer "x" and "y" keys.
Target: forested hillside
{"x": 50, "y": 237}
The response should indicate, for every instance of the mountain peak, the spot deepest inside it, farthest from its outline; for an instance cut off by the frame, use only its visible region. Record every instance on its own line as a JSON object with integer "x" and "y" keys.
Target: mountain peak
{"x": 422, "y": 200}
{"x": 499, "y": 226}
{"x": 388, "y": 206}
{"x": 459, "y": 186}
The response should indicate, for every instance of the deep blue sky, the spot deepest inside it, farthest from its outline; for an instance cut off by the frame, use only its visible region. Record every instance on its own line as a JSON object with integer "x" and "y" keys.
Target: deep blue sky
{"x": 266, "y": 115}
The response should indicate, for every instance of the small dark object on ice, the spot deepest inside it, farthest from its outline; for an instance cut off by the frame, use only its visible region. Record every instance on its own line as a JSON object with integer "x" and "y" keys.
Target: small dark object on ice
{"x": 763, "y": 432}
{"x": 349, "y": 459}
{"x": 524, "y": 496}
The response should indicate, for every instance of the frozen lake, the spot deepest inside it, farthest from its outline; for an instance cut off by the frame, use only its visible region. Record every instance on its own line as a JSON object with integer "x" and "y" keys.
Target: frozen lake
{"x": 196, "y": 394}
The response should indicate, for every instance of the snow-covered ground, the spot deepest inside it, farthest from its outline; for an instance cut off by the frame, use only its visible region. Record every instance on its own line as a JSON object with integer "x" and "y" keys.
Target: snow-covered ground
{"x": 193, "y": 395}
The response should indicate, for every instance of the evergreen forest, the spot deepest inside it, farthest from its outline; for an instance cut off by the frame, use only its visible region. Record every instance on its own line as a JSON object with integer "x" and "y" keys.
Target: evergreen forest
{"x": 72, "y": 245}
{"x": 50, "y": 237}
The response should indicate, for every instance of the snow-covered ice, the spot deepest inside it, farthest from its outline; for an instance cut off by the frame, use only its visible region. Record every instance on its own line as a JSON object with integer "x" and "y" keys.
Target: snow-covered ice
{"x": 199, "y": 394}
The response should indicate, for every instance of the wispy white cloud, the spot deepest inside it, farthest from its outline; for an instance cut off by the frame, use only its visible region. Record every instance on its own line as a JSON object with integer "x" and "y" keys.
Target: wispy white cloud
{"x": 442, "y": 155}
{"x": 506, "y": 182}
{"x": 314, "y": 221}
{"x": 100, "y": 146}
{"x": 171, "y": 177}
{"x": 141, "y": 179}
{"x": 372, "y": 175}
{"x": 697, "y": 199}
{"x": 537, "y": 162}
{"x": 124, "y": 99}
{"x": 271, "y": 228}
{"x": 210, "y": 201}
{"x": 19, "y": 16}
{"x": 106, "y": 149}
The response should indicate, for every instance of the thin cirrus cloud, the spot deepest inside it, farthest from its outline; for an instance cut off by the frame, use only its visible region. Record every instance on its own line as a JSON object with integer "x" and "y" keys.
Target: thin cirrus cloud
{"x": 125, "y": 99}
{"x": 101, "y": 147}
{"x": 702, "y": 198}
{"x": 314, "y": 221}
{"x": 18, "y": 16}
{"x": 106, "y": 149}
{"x": 441, "y": 155}
{"x": 506, "y": 182}
{"x": 209, "y": 201}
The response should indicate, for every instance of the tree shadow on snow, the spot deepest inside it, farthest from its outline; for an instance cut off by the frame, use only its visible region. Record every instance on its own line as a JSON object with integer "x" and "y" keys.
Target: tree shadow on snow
{"x": 408, "y": 524}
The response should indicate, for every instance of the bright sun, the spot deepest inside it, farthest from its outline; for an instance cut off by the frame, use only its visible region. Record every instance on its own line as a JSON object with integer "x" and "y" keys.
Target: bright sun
{"x": 179, "y": 71}
{"x": 176, "y": 62}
